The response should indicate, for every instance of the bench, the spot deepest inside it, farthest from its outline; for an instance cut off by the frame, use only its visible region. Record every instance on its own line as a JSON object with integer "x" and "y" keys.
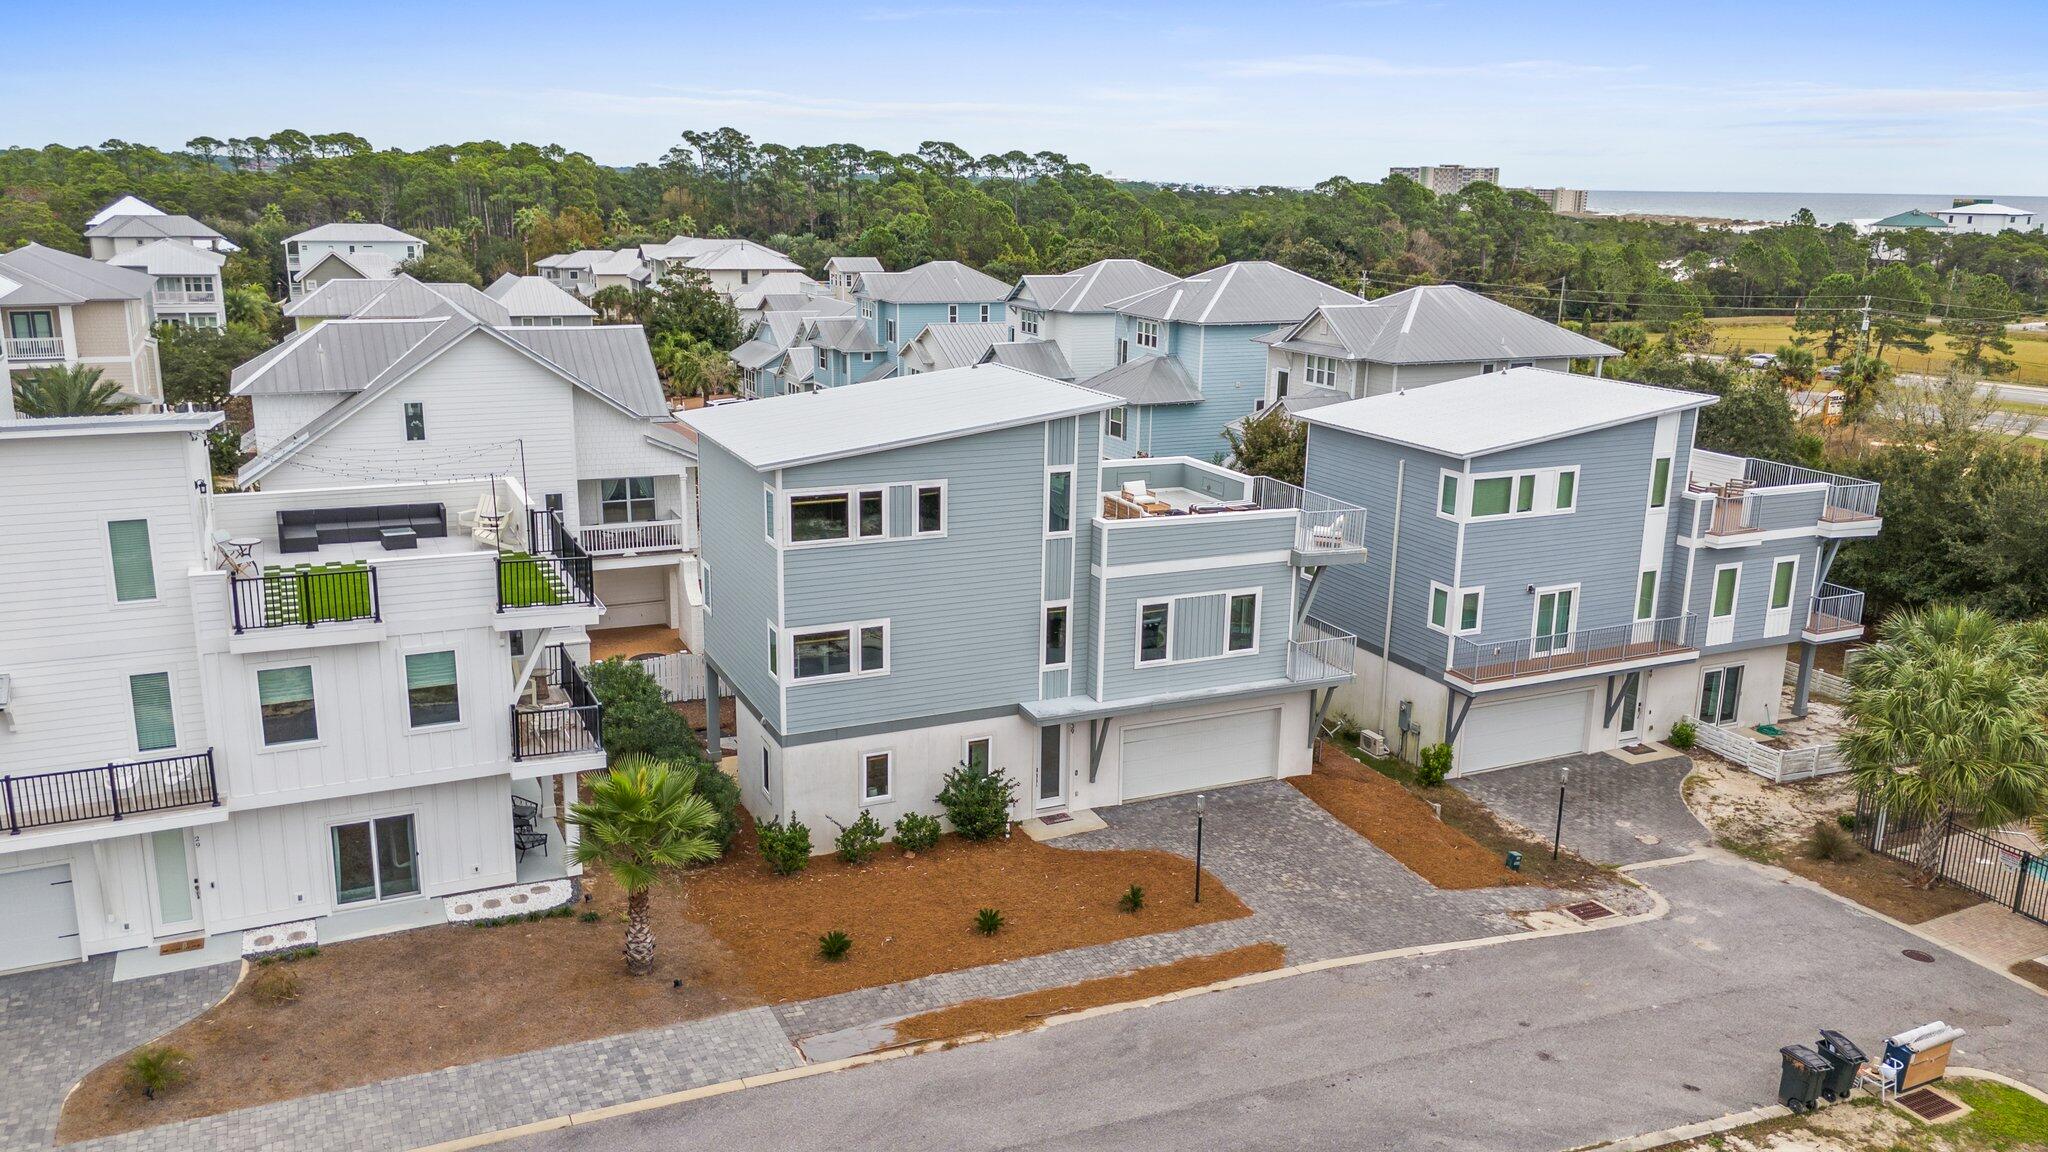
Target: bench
{"x": 310, "y": 529}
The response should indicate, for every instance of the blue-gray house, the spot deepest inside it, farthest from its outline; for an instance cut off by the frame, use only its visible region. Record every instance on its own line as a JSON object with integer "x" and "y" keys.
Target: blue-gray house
{"x": 941, "y": 568}
{"x": 896, "y": 306}
{"x": 1567, "y": 572}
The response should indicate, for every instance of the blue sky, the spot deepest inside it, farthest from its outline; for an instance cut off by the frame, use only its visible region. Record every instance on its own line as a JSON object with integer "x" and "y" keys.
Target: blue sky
{"x": 1791, "y": 95}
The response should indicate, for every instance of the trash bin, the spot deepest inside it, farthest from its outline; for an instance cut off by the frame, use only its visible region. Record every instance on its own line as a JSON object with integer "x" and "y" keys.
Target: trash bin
{"x": 1844, "y": 1059}
{"x": 1800, "y": 1077}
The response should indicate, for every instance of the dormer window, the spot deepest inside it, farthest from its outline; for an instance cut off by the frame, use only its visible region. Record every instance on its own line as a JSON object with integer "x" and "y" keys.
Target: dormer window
{"x": 1148, "y": 334}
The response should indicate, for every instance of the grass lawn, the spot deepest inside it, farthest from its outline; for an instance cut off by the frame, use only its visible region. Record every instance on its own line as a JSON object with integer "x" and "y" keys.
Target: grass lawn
{"x": 1740, "y": 335}
{"x": 525, "y": 581}
{"x": 330, "y": 592}
{"x": 2001, "y": 1119}
{"x": 734, "y": 934}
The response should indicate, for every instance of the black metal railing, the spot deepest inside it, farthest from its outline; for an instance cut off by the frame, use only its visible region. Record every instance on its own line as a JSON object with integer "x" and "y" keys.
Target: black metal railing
{"x": 556, "y": 730}
{"x": 110, "y": 791}
{"x": 556, "y": 573}
{"x": 2004, "y": 871}
{"x": 303, "y": 598}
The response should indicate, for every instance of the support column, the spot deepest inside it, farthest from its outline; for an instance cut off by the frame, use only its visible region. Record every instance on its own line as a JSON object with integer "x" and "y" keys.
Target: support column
{"x": 570, "y": 832}
{"x": 712, "y": 736}
{"x": 1803, "y": 683}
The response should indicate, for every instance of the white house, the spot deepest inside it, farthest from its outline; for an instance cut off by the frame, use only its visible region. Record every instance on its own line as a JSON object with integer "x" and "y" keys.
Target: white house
{"x": 1988, "y": 216}
{"x": 843, "y": 273}
{"x": 130, "y": 223}
{"x": 188, "y": 281}
{"x": 346, "y": 250}
{"x": 1076, "y": 310}
{"x": 66, "y": 310}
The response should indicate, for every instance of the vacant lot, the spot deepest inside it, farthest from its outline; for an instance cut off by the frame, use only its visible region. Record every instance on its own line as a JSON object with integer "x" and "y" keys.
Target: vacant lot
{"x": 1740, "y": 335}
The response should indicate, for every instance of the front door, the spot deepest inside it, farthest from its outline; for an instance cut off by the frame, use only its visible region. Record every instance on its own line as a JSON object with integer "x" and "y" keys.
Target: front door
{"x": 1554, "y": 622}
{"x": 174, "y": 903}
{"x": 1631, "y": 710}
{"x": 1720, "y": 692}
{"x": 1721, "y": 613}
{"x": 1051, "y": 791}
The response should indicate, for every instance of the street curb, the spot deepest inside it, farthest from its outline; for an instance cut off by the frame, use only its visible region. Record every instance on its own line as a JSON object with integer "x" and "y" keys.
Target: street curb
{"x": 1659, "y": 908}
{"x": 1649, "y": 1140}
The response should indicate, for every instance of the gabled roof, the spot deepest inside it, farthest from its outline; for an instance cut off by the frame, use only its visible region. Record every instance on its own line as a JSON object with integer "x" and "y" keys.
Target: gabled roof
{"x": 938, "y": 282}
{"x": 1435, "y": 324}
{"x": 783, "y": 431}
{"x": 1096, "y": 287}
{"x": 170, "y": 258}
{"x": 535, "y": 296}
{"x": 853, "y": 264}
{"x": 340, "y": 356}
{"x": 784, "y": 284}
{"x": 754, "y": 353}
{"x": 1148, "y": 380}
{"x": 957, "y": 345}
{"x": 1247, "y": 292}
{"x": 48, "y": 276}
{"x": 399, "y": 298}
{"x": 1479, "y": 415}
{"x": 351, "y": 232}
{"x": 799, "y": 364}
{"x": 155, "y": 227}
{"x": 1038, "y": 357}
{"x": 1911, "y": 218}
{"x": 841, "y": 334}
{"x": 472, "y": 300}
{"x": 610, "y": 359}
{"x": 735, "y": 255}
{"x": 125, "y": 206}
{"x": 366, "y": 265}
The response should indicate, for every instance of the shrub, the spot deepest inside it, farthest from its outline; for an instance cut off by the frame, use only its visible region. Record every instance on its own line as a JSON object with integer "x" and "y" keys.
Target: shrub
{"x": 977, "y": 801}
{"x": 917, "y": 832}
{"x": 1828, "y": 841}
{"x": 1132, "y": 899}
{"x": 274, "y": 986}
{"x": 157, "y": 1068}
{"x": 786, "y": 847}
{"x": 988, "y": 921}
{"x": 636, "y": 719}
{"x": 1847, "y": 820}
{"x": 590, "y": 917}
{"x": 859, "y": 841}
{"x": 1684, "y": 735}
{"x": 1345, "y": 726}
{"x": 834, "y": 945}
{"x": 1435, "y": 766}
{"x": 724, "y": 794}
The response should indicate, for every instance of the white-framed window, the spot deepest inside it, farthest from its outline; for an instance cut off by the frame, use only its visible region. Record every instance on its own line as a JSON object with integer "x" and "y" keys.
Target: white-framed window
{"x": 1457, "y": 611}
{"x": 149, "y": 702}
{"x": 979, "y": 752}
{"x": 839, "y": 651}
{"x": 431, "y": 700}
{"x": 132, "y": 559}
{"x": 1155, "y": 632}
{"x": 1148, "y": 333}
{"x": 952, "y": 313}
{"x": 930, "y": 510}
{"x": 1319, "y": 370}
{"x": 867, "y": 310}
{"x": 1057, "y": 650}
{"x": 415, "y": 420}
{"x": 1059, "y": 502}
{"x": 877, "y": 777}
{"x": 889, "y": 331}
{"x": 1241, "y": 623}
{"x": 284, "y": 701}
{"x": 375, "y": 859}
{"x": 626, "y": 499}
{"x": 1503, "y": 495}
{"x": 1114, "y": 422}
{"x": 768, "y": 500}
{"x": 871, "y": 514}
{"x": 984, "y": 313}
{"x": 820, "y": 517}
{"x": 1660, "y": 482}
{"x": 774, "y": 654}
{"x": 1027, "y": 322}
{"x": 1646, "y": 595}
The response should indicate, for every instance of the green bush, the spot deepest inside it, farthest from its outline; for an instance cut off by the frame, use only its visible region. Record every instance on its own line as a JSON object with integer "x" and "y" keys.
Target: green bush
{"x": 590, "y": 917}
{"x": 917, "y": 832}
{"x": 1828, "y": 841}
{"x": 1132, "y": 899}
{"x": 724, "y": 794}
{"x": 636, "y": 719}
{"x": 1684, "y": 735}
{"x": 156, "y": 1069}
{"x": 1435, "y": 766}
{"x": 988, "y": 921}
{"x": 1847, "y": 820}
{"x": 786, "y": 847}
{"x": 977, "y": 801}
{"x": 859, "y": 841}
{"x": 834, "y": 945}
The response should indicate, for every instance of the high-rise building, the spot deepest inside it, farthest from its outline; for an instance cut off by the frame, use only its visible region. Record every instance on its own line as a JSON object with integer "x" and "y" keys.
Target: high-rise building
{"x": 1444, "y": 179}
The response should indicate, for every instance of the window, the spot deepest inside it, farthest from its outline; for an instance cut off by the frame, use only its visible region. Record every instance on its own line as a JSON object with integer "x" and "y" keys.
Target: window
{"x": 1447, "y": 503}
{"x": 764, "y": 770}
{"x": 1525, "y": 493}
{"x": 978, "y": 753}
{"x": 1781, "y": 583}
{"x": 1153, "y": 623}
{"x": 430, "y": 696}
{"x": 1646, "y": 595}
{"x": 626, "y": 499}
{"x": 1538, "y": 493}
{"x": 1280, "y": 384}
{"x": 1464, "y": 602}
{"x": 1148, "y": 334}
{"x": 768, "y": 512}
{"x": 1059, "y": 501}
{"x": 1123, "y": 350}
{"x": 1490, "y": 496}
{"x": 1468, "y": 612}
{"x": 415, "y": 420}
{"x": 874, "y": 649}
{"x": 1319, "y": 370}
{"x": 1243, "y": 633}
{"x": 870, "y": 513}
{"x": 1567, "y": 489}
{"x": 375, "y": 860}
{"x": 1660, "y": 482}
{"x": 1439, "y": 606}
{"x": 1116, "y": 422}
{"x": 1028, "y": 321}
{"x": 149, "y": 699}
{"x": 774, "y": 645}
{"x": 285, "y": 697}
{"x": 984, "y": 313}
{"x": 867, "y": 310}
{"x": 30, "y": 326}
{"x": 819, "y": 517}
{"x": 889, "y": 332}
{"x": 931, "y": 510}
{"x": 134, "y": 565}
{"x": 1056, "y": 636}
{"x": 847, "y": 650}
{"x": 952, "y": 313}
{"x": 1724, "y": 590}
{"x": 874, "y": 777}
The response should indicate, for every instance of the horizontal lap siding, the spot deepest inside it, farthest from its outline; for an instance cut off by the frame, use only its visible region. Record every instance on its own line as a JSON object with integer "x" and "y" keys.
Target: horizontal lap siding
{"x": 1353, "y": 598}
{"x": 1753, "y": 588}
{"x": 1188, "y": 538}
{"x": 1124, "y": 678}
{"x": 742, "y": 578}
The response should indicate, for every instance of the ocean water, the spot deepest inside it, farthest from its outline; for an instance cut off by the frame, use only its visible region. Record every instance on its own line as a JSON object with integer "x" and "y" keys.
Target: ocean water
{"x": 1828, "y": 207}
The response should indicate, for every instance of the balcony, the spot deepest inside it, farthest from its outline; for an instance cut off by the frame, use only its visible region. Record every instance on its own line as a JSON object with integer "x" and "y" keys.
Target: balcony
{"x": 35, "y": 348}
{"x": 1835, "y": 614}
{"x": 186, "y": 299}
{"x": 556, "y": 574}
{"x": 1319, "y": 656}
{"x": 109, "y": 792}
{"x": 671, "y": 533}
{"x": 1735, "y": 499}
{"x": 1325, "y": 531}
{"x": 568, "y": 719}
{"x": 303, "y": 597}
{"x": 1614, "y": 647}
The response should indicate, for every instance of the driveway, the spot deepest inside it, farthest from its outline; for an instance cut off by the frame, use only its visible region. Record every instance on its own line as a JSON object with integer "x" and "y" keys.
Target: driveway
{"x": 1614, "y": 812}
{"x": 1544, "y": 1044}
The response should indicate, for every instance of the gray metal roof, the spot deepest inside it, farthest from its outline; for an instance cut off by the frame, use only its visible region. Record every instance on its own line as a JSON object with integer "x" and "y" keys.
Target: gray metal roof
{"x": 938, "y": 282}
{"x": 1148, "y": 380}
{"x": 799, "y": 364}
{"x": 882, "y": 415}
{"x": 1247, "y": 292}
{"x": 1096, "y": 287}
{"x": 853, "y": 264}
{"x": 399, "y": 298}
{"x": 161, "y": 226}
{"x": 957, "y": 345}
{"x": 352, "y": 232}
{"x": 472, "y": 300}
{"x": 755, "y": 353}
{"x": 734, "y": 255}
{"x": 48, "y": 276}
{"x": 338, "y": 356}
{"x": 170, "y": 258}
{"x": 841, "y": 334}
{"x": 609, "y": 358}
{"x": 749, "y": 299}
{"x": 535, "y": 296}
{"x": 1493, "y": 412}
{"x": 1438, "y": 324}
{"x": 125, "y": 206}
{"x": 368, "y": 265}
{"x": 1039, "y": 357}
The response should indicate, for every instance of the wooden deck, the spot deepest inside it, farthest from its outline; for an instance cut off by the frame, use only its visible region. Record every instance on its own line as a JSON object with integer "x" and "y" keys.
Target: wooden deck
{"x": 1493, "y": 672}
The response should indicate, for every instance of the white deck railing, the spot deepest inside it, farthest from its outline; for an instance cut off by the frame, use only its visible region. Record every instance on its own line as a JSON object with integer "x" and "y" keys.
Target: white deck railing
{"x": 669, "y": 533}
{"x": 1321, "y": 524}
{"x": 176, "y": 297}
{"x": 1320, "y": 655}
{"x": 680, "y": 675}
{"x": 1778, "y": 765}
{"x": 36, "y": 348}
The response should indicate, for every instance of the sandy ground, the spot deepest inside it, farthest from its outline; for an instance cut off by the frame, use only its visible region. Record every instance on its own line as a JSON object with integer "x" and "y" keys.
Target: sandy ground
{"x": 1740, "y": 805}
{"x": 1842, "y": 1129}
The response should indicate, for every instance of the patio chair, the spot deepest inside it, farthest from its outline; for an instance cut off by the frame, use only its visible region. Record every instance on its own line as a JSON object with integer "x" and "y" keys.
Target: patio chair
{"x": 1136, "y": 490}
{"x": 527, "y": 841}
{"x": 525, "y": 813}
{"x": 1329, "y": 535}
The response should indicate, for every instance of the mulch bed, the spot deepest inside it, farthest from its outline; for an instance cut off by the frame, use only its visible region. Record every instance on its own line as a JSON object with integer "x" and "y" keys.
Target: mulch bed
{"x": 2033, "y": 972}
{"x": 1882, "y": 883}
{"x": 693, "y": 712}
{"x": 1030, "y": 1010}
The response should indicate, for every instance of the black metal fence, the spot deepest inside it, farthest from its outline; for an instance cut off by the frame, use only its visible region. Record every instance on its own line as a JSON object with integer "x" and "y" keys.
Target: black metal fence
{"x": 557, "y": 572}
{"x": 2002, "y": 871}
{"x": 305, "y": 598}
{"x": 110, "y": 791}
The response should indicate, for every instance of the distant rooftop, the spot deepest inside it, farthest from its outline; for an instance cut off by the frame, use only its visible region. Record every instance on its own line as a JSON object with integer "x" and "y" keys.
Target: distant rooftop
{"x": 353, "y": 232}
{"x": 938, "y": 282}
{"x": 1093, "y": 287}
{"x": 1496, "y": 411}
{"x": 1436, "y": 324}
{"x": 1247, "y": 292}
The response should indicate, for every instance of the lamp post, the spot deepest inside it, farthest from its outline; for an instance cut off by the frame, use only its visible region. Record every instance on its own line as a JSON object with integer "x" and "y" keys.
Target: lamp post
{"x": 1200, "y": 802}
{"x": 1564, "y": 773}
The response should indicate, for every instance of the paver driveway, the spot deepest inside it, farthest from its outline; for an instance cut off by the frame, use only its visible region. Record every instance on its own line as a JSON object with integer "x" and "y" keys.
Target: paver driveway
{"x": 1614, "y": 812}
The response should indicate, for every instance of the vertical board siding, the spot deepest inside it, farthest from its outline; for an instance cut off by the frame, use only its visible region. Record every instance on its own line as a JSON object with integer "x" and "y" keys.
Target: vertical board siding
{"x": 1059, "y": 567}
{"x": 1198, "y": 623}
{"x": 1124, "y": 678}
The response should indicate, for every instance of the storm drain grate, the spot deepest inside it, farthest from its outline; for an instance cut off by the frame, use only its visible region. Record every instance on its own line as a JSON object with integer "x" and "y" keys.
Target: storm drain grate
{"x": 1928, "y": 1104}
{"x": 1588, "y": 910}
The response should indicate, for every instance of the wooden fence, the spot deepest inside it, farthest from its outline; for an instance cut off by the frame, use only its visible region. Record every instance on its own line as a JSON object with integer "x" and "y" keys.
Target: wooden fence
{"x": 1778, "y": 765}
{"x": 680, "y": 674}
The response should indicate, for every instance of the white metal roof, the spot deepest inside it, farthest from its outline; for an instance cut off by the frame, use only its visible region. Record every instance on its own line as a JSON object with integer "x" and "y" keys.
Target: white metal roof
{"x": 170, "y": 258}
{"x": 351, "y": 232}
{"x": 1988, "y": 208}
{"x": 1096, "y": 287}
{"x": 1495, "y": 411}
{"x": 1438, "y": 324}
{"x": 125, "y": 206}
{"x": 47, "y": 276}
{"x": 936, "y": 282}
{"x": 881, "y": 415}
{"x": 534, "y": 296}
{"x": 1246, "y": 292}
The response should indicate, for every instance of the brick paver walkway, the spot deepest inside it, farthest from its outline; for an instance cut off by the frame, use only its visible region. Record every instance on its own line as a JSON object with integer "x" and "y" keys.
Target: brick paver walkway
{"x": 1610, "y": 806}
{"x": 1991, "y": 933}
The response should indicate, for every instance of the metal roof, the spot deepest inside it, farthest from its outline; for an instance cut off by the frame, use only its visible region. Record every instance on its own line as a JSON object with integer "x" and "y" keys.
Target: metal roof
{"x": 853, "y": 264}
{"x": 1910, "y": 218}
{"x": 957, "y": 345}
{"x": 125, "y": 206}
{"x": 1986, "y": 208}
{"x": 1148, "y": 380}
{"x": 367, "y": 265}
{"x": 754, "y": 353}
{"x": 1096, "y": 287}
{"x": 753, "y": 297}
{"x": 1477, "y": 415}
{"x": 48, "y": 276}
{"x": 1247, "y": 292}
{"x": 735, "y": 255}
{"x": 399, "y": 298}
{"x": 1436, "y": 324}
{"x": 841, "y": 334}
{"x": 609, "y": 358}
{"x": 938, "y": 282}
{"x": 1039, "y": 357}
{"x": 353, "y": 232}
{"x": 339, "y": 356}
{"x": 159, "y": 225}
{"x": 170, "y": 258}
{"x": 535, "y": 296}
{"x": 805, "y": 428}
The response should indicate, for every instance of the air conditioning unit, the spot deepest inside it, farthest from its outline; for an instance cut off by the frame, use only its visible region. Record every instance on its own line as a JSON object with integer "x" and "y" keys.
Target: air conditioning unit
{"x": 1372, "y": 743}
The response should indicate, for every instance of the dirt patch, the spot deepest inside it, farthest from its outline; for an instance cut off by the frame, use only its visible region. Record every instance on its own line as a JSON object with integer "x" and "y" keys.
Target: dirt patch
{"x": 1030, "y": 1009}
{"x": 913, "y": 916}
{"x": 2033, "y": 972}
{"x": 1883, "y": 884}
{"x": 693, "y": 712}
{"x": 1401, "y": 824}
{"x": 1740, "y": 806}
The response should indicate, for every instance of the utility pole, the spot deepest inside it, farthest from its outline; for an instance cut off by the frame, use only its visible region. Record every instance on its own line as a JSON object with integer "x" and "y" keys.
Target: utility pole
{"x": 1563, "y": 282}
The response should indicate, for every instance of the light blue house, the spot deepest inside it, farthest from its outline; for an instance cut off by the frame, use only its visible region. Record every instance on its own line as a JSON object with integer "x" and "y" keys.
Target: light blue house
{"x": 1568, "y": 572}
{"x": 941, "y": 568}
{"x": 1076, "y": 311}
{"x": 896, "y": 306}
{"x": 1188, "y": 359}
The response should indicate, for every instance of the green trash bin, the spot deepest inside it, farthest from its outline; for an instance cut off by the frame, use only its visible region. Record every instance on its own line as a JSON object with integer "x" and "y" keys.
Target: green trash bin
{"x": 1802, "y": 1073}
{"x": 1844, "y": 1060}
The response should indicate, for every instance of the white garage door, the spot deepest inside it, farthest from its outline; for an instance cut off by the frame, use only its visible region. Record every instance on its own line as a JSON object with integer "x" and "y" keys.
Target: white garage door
{"x": 1517, "y": 731}
{"x": 634, "y": 597}
{"x": 1184, "y": 755}
{"x": 42, "y": 921}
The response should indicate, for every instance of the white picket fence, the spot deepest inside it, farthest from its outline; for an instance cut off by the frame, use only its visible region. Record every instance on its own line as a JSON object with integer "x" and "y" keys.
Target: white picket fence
{"x": 680, "y": 674}
{"x": 1825, "y": 684}
{"x": 1778, "y": 765}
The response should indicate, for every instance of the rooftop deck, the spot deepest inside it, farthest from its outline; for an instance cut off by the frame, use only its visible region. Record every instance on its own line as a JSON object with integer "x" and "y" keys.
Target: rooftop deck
{"x": 1326, "y": 531}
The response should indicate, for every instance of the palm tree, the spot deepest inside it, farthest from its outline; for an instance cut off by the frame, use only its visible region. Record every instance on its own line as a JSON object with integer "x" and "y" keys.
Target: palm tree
{"x": 643, "y": 819}
{"x": 1947, "y": 720}
{"x": 73, "y": 390}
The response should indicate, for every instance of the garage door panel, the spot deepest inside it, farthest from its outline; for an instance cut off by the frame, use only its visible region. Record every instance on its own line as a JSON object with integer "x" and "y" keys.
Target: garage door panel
{"x": 633, "y": 597}
{"x": 42, "y": 920}
{"x": 1204, "y": 752}
{"x": 1508, "y": 732}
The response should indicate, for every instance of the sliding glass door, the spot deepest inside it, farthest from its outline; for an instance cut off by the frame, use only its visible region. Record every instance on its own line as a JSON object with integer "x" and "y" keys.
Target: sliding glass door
{"x": 375, "y": 860}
